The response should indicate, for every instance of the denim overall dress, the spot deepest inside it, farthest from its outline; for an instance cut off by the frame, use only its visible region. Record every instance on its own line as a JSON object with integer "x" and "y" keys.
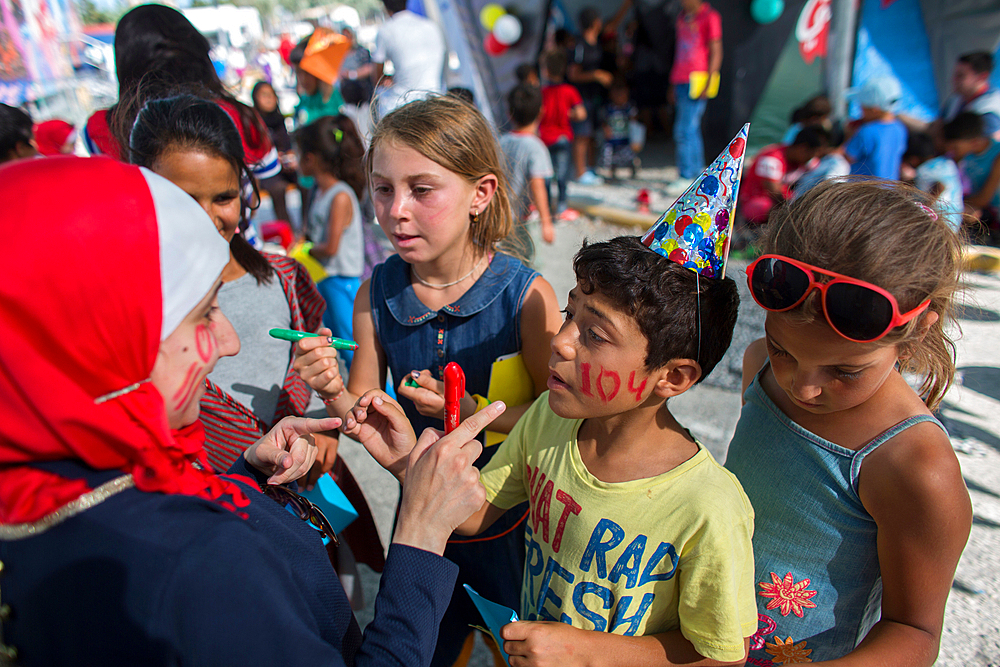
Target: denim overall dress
{"x": 818, "y": 583}
{"x": 474, "y": 331}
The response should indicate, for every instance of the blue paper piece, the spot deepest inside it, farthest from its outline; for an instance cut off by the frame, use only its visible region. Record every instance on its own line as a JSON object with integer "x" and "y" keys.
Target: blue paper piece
{"x": 494, "y": 615}
{"x": 331, "y": 500}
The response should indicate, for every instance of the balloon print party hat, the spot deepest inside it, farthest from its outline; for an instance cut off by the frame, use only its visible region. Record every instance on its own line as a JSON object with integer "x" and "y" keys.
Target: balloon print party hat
{"x": 695, "y": 230}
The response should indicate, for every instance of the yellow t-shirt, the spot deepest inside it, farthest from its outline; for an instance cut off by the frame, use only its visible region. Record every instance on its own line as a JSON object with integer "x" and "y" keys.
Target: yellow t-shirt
{"x": 633, "y": 558}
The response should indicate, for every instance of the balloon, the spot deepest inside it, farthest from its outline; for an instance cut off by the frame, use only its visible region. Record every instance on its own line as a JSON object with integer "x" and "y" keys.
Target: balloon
{"x": 709, "y": 185}
{"x": 722, "y": 219}
{"x": 693, "y": 233}
{"x": 507, "y": 29}
{"x": 489, "y": 14}
{"x": 492, "y": 46}
{"x": 661, "y": 229}
{"x": 737, "y": 146}
{"x": 679, "y": 255}
{"x": 682, "y": 224}
{"x": 705, "y": 220}
{"x": 766, "y": 11}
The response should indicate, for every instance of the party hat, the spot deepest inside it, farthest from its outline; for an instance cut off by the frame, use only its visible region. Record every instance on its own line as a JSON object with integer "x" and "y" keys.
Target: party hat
{"x": 696, "y": 229}
{"x": 324, "y": 54}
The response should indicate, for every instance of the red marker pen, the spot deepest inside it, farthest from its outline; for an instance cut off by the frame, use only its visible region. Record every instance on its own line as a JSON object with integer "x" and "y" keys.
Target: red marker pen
{"x": 454, "y": 390}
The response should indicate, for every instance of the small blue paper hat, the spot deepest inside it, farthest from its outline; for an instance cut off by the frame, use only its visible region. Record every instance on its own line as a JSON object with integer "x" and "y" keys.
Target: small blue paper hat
{"x": 695, "y": 230}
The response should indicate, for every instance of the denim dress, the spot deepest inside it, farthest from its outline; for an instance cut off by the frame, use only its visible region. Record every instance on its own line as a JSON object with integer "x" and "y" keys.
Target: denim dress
{"x": 817, "y": 582}
{"x": 474, "y": 331}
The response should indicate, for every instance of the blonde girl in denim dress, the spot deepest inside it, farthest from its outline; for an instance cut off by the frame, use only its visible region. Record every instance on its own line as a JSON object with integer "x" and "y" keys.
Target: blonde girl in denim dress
{"x": 453, "y": 292}
{"x": 862, "y": 512}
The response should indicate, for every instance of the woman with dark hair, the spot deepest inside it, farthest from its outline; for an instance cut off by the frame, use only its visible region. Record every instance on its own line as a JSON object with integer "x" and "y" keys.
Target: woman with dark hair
{"x": 265, "y": 103}
{"x": 157, "y": 53}
{"x": 118, "y": 546}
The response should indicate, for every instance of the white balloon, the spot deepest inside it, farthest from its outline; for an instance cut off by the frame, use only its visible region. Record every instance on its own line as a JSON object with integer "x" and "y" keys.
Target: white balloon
{"x": 507, "y": 29}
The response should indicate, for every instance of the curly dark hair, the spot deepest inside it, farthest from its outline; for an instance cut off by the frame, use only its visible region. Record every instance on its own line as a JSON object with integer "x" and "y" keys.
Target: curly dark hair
{"x": 664, "y": 299}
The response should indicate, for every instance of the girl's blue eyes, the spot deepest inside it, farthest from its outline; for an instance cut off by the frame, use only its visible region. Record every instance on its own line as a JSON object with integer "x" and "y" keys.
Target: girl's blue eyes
{"x": 844, "y": 375}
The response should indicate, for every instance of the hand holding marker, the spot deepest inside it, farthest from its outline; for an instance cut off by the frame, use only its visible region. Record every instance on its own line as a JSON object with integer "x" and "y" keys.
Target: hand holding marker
{"x": 292, "y": 335}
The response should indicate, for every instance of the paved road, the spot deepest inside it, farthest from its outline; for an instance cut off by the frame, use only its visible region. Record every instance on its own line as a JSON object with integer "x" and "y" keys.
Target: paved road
{"x": 710, "y": 411}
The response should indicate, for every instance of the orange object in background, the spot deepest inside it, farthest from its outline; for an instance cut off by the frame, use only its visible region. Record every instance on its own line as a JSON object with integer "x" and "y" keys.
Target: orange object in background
{"x": 324, "y": 54}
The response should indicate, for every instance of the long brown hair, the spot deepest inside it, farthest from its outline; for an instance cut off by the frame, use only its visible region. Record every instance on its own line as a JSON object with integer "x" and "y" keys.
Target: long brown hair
{"x": 335, "y": 141}
{"x": 454, "y": 134}
{"x": 888, "y": 234}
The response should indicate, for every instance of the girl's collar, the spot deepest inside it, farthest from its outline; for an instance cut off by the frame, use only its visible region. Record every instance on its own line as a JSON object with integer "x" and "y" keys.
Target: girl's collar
{"x": 409, "y": 310}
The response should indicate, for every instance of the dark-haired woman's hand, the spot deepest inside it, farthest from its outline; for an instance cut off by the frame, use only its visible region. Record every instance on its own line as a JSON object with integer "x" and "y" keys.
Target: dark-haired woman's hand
{"x": 318, "y": 365}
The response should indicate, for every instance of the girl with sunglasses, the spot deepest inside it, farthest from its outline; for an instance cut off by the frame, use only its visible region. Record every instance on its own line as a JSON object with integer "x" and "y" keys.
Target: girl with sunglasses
{"x": 861, "y": 510}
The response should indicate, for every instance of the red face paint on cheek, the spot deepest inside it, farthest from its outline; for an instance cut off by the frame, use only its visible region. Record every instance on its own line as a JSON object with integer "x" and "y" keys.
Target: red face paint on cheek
{"x": 205, "y": 341}
{"x": 608, "y": 390}
{"x": 187, "y": 390}
{"x": 585, "y": 371}
{"x": 636, "y": 390}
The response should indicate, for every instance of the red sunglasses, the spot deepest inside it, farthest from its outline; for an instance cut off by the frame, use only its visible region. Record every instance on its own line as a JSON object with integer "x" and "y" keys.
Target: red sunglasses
{"x": 857, "y": 310}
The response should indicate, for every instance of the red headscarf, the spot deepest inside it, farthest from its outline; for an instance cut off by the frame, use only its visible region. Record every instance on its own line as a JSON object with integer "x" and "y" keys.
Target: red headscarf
{"x": 80, "y": 330}
{"x": 52, "y": 135}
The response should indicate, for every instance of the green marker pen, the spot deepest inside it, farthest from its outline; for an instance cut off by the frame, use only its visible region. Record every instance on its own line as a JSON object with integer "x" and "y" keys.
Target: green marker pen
{"x": 292, "y": 335}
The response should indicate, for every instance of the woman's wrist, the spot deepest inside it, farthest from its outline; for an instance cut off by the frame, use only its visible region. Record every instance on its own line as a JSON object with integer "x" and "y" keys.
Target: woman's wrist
{"x": 420, "y": 535}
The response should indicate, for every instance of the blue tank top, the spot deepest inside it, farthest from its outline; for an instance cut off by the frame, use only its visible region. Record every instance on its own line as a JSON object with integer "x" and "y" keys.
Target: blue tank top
{"x": 817, "y": 581}
{"x": 482, "y": 325}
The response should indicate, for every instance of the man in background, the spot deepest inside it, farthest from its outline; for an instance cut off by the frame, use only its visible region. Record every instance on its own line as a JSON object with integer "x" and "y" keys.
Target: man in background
{"x": 699, "y": 52}
{"x": 415, "y": 47}
{"x": 973, "y": 92}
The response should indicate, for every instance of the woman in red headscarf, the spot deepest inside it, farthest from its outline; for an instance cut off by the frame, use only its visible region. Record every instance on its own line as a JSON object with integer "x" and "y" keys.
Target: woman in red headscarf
{"x": 118, "y": 545}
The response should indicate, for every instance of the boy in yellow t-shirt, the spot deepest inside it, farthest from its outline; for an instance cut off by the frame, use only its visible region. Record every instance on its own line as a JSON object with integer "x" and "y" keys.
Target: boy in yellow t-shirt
{"x": 635, "y": 531}
{"x": 637, "y": 540}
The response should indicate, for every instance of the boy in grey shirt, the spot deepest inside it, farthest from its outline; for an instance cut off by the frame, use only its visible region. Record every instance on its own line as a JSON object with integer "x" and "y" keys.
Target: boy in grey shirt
{"x": 528, "y": 166}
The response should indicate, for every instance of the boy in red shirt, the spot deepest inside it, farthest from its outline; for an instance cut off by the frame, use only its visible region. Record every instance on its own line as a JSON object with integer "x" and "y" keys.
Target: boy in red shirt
{"x": 769, "y": 179}
{"x": 561, "y": 104}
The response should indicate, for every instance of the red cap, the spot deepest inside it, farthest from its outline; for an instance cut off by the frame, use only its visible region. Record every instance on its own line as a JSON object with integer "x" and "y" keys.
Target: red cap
{"x": 454, "y": 383}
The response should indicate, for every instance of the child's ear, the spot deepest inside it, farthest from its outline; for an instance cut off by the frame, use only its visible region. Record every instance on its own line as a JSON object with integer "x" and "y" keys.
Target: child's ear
{"x": 676, "y": 377}
{"x": 485, "y": 189}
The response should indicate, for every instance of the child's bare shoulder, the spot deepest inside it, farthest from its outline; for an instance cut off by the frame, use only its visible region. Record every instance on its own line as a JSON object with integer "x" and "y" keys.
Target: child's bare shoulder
{"x": 916, "y": 466}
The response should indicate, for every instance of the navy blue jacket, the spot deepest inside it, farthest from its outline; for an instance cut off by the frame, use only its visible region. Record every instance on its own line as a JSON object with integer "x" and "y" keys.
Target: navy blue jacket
{"x": 153, "y": 579}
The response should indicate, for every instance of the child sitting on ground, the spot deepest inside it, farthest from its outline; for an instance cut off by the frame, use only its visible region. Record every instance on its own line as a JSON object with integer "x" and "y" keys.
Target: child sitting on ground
{"x": 768, "y": 181}
{"x": 877, "y": 147}
{"x": 978, "y": 156}
{"x": 938, "y": 176}
{"x": 831, "y": 164}
{"x": 528, "y": 167}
